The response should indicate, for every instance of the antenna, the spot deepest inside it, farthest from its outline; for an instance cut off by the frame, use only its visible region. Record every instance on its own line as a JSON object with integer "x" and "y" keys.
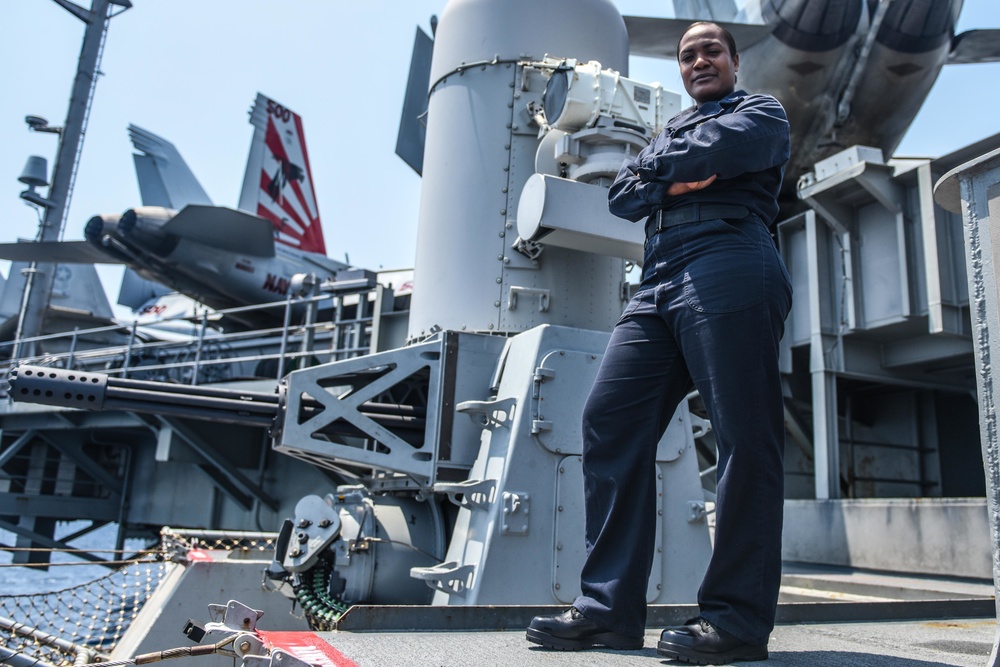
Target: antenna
{"x": 35, "y": 175}
{"x": 38, "y": 287}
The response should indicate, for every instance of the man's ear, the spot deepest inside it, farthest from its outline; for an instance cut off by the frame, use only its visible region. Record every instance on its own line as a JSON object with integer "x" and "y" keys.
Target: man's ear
{"x": 736, "y": 63}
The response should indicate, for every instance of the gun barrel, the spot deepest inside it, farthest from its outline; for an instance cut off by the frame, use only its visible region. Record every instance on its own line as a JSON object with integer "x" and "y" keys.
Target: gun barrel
{"x": 95, "y": 391}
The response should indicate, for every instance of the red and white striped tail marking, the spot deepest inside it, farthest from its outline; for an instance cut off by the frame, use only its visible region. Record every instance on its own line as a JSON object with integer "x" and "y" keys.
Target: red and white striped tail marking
{"x": 285, "y": 194}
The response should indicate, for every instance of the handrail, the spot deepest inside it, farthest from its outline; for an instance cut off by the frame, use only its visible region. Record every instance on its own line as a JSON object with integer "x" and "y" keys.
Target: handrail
{"x": 239, "y": 354}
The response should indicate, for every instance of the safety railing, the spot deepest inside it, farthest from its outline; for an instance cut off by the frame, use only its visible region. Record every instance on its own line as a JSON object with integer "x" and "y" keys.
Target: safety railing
{"x": 198, "y": 350}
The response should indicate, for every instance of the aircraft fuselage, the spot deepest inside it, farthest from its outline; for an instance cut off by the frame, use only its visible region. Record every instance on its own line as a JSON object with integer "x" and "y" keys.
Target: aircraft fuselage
{"x": 218, "y": 277}
{"x": 850, "y": 72}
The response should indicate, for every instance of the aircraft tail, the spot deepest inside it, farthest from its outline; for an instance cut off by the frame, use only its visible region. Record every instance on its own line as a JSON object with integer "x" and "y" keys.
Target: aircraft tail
{"x": 164, "y": 178}
{"x": 78, "y": 299}
{"x": 278, "y": 184}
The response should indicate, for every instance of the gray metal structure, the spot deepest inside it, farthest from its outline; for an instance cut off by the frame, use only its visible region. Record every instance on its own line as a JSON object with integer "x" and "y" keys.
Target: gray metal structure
{"x": 480, "y": 150}
{"x": 974, "y": 189}
{"x": 462, "y": 449}
{"x": 67, "y": 465}
{"x": 42, "y": 276}
{"x": 878, "y": 276}
{"x": 501, "y": 440}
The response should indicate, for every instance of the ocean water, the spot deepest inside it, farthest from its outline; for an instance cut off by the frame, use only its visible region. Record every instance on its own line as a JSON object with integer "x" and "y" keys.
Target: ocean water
{"x": 66, "y": 570}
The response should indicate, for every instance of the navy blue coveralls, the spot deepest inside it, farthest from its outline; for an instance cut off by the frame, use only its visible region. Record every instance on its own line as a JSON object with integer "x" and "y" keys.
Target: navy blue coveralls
{"x": 709, "y": 312}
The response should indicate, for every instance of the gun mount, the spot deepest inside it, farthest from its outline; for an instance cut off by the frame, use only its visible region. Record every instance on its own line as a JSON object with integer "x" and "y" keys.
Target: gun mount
{"x": 463, "y": 455}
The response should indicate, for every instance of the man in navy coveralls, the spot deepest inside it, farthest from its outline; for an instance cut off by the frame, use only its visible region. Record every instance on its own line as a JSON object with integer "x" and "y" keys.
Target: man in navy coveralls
{"x": 708, "y": 314}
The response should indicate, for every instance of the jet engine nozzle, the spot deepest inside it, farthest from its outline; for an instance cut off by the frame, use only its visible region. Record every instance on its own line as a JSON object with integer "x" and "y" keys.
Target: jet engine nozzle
{"x": 144, "y": 227}
{"x": 100, "y": 226}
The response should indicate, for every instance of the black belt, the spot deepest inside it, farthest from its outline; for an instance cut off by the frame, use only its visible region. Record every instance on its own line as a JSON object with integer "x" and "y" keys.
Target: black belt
{"x": 693, "y": 213}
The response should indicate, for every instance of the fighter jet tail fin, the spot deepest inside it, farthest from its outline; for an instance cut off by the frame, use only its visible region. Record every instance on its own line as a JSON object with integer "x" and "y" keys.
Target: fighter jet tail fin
{"x": 77, "y": 296}
{"x": 164, "y": 178}
{"x": 278, "y": 184}
{"x": 135, "y": 291}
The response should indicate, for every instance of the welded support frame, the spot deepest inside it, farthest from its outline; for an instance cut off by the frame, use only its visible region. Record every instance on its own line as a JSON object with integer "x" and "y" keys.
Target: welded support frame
{"x": 817, "y": 274}
{"x": 55, "y": 506}
{"x": 825, "y": 358}
{"x": 223, "y": 473}
{"x": 456, "y": 368}
{"x": 975, "y": 186}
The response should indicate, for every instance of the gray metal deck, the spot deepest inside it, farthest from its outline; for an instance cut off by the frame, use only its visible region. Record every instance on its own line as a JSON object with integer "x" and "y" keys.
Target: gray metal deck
{"x": 959, "y": 642}
{"x": 827, "y": 617}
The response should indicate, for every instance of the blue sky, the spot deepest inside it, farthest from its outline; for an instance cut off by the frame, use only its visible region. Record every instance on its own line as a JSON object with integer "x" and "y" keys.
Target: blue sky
{"x": 189, "y": 70}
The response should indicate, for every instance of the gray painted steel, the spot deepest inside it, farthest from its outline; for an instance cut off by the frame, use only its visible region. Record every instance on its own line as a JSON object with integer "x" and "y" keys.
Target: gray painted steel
{"x": 529, "y": 455}
{"x": 480, "y": 150}
{"x": 945, "y": 643}
{"x": 64, "y": 172}
{"x": 453, "y": 368}
{"x": 878, "y": 329}
{"x": 185, "y": 593}
{"x": 979, "y": 191}
{"x": 946, "y": 537}
{"x": 574, "y": 215}
{"x": 501, "y": 439}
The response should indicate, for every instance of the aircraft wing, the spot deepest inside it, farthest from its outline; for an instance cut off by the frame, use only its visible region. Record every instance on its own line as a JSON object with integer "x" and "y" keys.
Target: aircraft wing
{"x": 224, "y": 228}
{"x": 658, "y": 37}
{"x": 975, "y": 46}
{"x": 63, "y": 252}
{"x": 321, "y": 262}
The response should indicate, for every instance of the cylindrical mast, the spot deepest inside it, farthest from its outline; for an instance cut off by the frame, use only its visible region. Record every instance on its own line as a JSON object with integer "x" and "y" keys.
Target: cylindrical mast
{"x": 480, "y": 149}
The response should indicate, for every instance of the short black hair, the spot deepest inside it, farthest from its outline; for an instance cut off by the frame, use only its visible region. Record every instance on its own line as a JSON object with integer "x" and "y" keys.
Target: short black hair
{"x": 728, "y": 36}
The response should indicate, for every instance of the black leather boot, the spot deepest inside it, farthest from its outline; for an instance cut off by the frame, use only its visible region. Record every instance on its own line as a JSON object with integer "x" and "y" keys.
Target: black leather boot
{"x": 571, "y": 631}
{"x": 699, "y": 642}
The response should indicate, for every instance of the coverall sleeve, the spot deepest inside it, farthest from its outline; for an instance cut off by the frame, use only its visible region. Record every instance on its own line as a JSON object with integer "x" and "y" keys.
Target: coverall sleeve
{"x": 753, "y": 137}
{"x": 631, "y": 198}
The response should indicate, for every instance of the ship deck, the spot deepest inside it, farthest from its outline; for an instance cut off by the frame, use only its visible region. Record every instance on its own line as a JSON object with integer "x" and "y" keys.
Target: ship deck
{"x": 954, "y": 642}
{"x": 827, "y": 617}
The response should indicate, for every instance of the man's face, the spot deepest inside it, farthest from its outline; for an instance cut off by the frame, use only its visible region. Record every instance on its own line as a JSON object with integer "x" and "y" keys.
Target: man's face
{"x": 707, "y": 68}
